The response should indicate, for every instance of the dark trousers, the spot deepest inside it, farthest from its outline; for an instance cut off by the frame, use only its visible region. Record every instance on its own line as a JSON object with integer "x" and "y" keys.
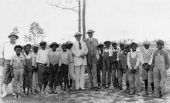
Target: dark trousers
{"x": 99, "y": 70}
{"x": 119, "y": 77}
{"x": 64, "y": 74}
{"x": 106, "y": 69}
{"x": 114, "y": 74}
{"x": 28, "y": 79}
{"x": 42, "y": 75}
{"x": 53, "y": 76}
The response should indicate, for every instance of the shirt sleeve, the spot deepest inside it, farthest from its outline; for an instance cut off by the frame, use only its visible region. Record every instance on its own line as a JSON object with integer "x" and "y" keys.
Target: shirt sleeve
{"x": 166, "y": 57}
{"x": 128, "y": 61}
{"x": 48, "y": 61}
{"x": 38, "y": 57}
{"x": 2, "y": 51}
{"x": 138, "y": 62}
{"x": 151, "y": 59}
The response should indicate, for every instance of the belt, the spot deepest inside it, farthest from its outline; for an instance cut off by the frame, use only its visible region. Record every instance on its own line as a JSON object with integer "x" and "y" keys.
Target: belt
{"x": 42, "y": 64}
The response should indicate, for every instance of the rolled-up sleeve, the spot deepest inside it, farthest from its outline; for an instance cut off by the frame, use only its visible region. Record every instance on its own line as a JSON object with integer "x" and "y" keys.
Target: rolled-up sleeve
{"x": 167, "y": 61}
{"x": 128, "y": 61}
{"x": 74, "y": 51}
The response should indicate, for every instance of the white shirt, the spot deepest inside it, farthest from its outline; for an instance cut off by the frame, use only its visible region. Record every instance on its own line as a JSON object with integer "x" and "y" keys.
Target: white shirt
{"x": 7, "y": 51}
{"x": 133, "y": 55}
{"x": 42, "y": 56}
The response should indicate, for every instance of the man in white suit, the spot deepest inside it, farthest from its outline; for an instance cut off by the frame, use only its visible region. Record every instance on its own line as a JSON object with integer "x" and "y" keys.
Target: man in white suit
{"x": 79, "y": 51}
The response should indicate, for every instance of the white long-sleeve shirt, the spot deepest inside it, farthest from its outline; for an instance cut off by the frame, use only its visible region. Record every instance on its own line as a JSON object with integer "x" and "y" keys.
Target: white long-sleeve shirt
{"x": 42, "y": 56}
{"x": 133, "y": 55}
{"x": 7, "y": 51}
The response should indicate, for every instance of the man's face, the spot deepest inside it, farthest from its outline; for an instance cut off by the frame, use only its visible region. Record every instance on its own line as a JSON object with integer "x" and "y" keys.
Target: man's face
{"x": 122, "y": 47}
{"x": 18, "y": 50}
{"x": 64, "y": 48}
{"x": 159, "y": 46}
{"x": 13, "y": 39}
{"x": 114, "y": 46}
{"x": 78, "y": 38}
{"x": 146, "y": 46}
{"x": 90, "y": 35}
{"x": 107, "y": 46}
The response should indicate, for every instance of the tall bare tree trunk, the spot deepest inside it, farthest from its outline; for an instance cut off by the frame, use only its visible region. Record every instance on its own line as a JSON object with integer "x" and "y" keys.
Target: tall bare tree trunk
{"x": 84, "y": 19}
{"x": 79, "y": 16}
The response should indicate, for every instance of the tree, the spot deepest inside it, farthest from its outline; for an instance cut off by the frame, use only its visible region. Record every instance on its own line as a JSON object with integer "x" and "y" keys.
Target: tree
{"x": 70, "y": 5}
{"x": 36, "y": 33}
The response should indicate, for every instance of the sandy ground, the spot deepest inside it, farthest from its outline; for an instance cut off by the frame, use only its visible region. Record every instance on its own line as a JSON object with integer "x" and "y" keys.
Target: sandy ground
{"x": 87, "y": 96}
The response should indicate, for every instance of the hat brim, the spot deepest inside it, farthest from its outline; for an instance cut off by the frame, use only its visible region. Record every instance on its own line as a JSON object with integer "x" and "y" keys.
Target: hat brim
{"x": 57, "y": 45}
{"x": 77, "y": 35}
{"x": 13, "y": 35}
{"x": 90, "y": 32}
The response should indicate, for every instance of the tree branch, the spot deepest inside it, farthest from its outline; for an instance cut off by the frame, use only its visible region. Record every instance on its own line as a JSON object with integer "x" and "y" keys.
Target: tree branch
{"x": 65, "y": 8}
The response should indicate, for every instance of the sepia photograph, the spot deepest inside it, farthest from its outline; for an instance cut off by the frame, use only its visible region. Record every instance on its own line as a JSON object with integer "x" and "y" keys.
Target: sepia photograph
{"x": 84, "y": 51}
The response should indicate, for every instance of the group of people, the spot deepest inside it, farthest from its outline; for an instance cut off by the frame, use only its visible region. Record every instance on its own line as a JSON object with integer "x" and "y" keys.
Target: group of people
{"x": 31, "y": 69}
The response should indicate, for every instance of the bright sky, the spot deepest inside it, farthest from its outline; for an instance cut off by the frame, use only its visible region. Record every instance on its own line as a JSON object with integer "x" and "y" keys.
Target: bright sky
{"x": 111, "y": 19}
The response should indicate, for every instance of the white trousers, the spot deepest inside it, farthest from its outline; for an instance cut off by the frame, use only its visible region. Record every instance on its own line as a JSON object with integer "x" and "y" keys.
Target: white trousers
{"x": 79, "y": 72}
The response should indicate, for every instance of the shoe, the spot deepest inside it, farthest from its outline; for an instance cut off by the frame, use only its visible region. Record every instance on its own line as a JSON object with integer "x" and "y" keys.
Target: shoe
{"x": 127, "y": 91}
{"x": 4, "y": 95}
{"x": 132, "y": 93}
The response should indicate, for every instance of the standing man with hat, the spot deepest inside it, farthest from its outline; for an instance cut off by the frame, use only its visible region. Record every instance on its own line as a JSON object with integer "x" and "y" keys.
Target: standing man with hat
{"x": 161, "y": 63}
{"x": 79, "y": 51}
{"x": 147, "y": 71}
{"x": 7, "y": 54}
{"x": 92, "y": 57}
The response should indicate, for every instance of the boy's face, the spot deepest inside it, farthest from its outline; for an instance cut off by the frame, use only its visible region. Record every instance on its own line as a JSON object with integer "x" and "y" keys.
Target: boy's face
{"x": 35, "y": 50}
{"x": 107, "y": 46}
{"x": 54, "y": 48}
{"x": 133, "y": 47}
{"x": 78, "y": 38}
{"x": 43, "y": 46}
{"x": 146, "y": 46}
{"x": 18, "y": 50}
{"x": 159, "y": 46}
{"x": 27, "y": 49}
{"x": 122, "y": 47}
{"x": 64, "y": 48}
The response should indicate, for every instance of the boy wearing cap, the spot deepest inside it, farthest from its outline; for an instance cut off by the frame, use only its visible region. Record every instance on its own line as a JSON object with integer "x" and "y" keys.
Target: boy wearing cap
{"x": 54, "y": 61}
{"x": 65, "y": 61}
{"x": 114, "y": 65}
{"x": 133, "y": 69}
{"x": 35, "y": 69}
{"x": 161, "y": 63}
{"x": 28, "y": 70}
{"x": 106, "y": 64}
{"x": 122, "y": 65}
{"x": 147, "y": 71}
{"x": 42, "y": 60}
{"x": 17, "y": 65}
{"x": 71, "y": 66}
{"x": 99, "y": 63}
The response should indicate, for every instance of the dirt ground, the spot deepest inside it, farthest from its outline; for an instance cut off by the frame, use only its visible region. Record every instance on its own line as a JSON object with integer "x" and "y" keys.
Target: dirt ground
{"x": 87, "y": 96}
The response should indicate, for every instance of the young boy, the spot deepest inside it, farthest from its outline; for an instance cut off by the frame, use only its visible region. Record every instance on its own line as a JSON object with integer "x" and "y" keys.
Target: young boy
{"x": 17, "y": 64}
{"x": 106, "y": 64}
{"x": 71, "y": 66}
{"x": 122, "y": 64}
{"x": 65, "y": 60}
{"x": 147, "y": 71}
{"x": 35, "y": 69}
{"x": 42, "y": 60}
{"x": 114, "y": 65}
{"x": 161, "y": 64}
{"x": 54, "y": 61}
{"x": 28, "y": 69}
{"x": 133, "y": 72}
{"x": 99, "y": 63}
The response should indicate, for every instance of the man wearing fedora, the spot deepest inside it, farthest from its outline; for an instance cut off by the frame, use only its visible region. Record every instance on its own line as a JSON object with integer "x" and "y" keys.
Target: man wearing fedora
{"x": 6, "y": 56}
{"x": 79, "y": 51}
{"x": 92, "y": 56}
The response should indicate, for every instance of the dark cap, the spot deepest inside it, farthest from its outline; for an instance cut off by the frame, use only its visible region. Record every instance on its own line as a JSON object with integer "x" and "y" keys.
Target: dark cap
{"x": 107, "y": 42}
{"x": 114, "y": 43}
{"x": 13, "y": 34}
{"x": 100, "y": 45}
{"x": 133, "y": 43}
{"x": 42, "y": 43}
{"x": 54, "y": 44}
{"x": 18, "y": 46}
{"x": 160, "y": 42}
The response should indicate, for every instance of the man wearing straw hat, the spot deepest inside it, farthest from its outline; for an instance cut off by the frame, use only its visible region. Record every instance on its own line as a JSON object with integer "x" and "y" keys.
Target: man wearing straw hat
{"x": 79, "y": 51}
{"x": 7, "y": 54}
{"x": 92, "y": 57}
